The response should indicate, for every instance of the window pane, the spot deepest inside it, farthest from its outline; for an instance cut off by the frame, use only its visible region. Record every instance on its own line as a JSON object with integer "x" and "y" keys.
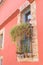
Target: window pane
{"x": 0, "y": 61}
{"x": 25, "y": 45}
{"x": 1, "y": 40}
{"x": 28, "y": 16}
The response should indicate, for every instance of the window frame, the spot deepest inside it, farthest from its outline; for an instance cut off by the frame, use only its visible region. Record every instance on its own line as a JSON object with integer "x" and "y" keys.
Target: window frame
{"x": 34, "y": 24}
{"x": 2, "y": 32}
{"x": 21, "y": 17}
{"x": 1, "y": 58}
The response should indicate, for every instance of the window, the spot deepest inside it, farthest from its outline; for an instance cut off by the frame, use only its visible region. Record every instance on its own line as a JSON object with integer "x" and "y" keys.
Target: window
{"x": 26, "y": 15}
{"x": 26, "y": 43}
{"x": 1, "y": 38}
{"x": 1, "y": 59}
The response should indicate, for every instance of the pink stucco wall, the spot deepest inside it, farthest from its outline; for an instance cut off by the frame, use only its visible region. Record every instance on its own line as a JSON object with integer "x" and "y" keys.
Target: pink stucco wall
{"x": 8, "y": 7}
{"x": 9, "y": 51}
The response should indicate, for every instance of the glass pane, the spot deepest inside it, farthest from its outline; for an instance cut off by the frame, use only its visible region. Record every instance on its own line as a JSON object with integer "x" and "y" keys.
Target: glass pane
{"x": 0, "y": 61}
{"x": 26, "y": 45}
{"x": 28, "y": 16}
{"x": 1, "y": 39}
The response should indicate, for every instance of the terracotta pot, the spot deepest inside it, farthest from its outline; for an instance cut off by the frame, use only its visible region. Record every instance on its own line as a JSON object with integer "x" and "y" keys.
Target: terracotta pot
{"x": 25, "y": 54}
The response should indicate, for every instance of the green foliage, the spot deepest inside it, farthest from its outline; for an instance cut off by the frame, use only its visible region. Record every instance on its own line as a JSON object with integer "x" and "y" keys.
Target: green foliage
{"x": 19, "y": 31}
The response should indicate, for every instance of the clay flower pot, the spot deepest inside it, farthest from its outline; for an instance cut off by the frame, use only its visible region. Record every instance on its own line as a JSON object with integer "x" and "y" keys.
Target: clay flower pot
{"x": 25, "y": 55}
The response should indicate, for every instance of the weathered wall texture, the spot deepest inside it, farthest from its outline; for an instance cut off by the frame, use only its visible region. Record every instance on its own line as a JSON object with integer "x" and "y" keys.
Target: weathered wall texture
{"x": 35, "y": 38}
